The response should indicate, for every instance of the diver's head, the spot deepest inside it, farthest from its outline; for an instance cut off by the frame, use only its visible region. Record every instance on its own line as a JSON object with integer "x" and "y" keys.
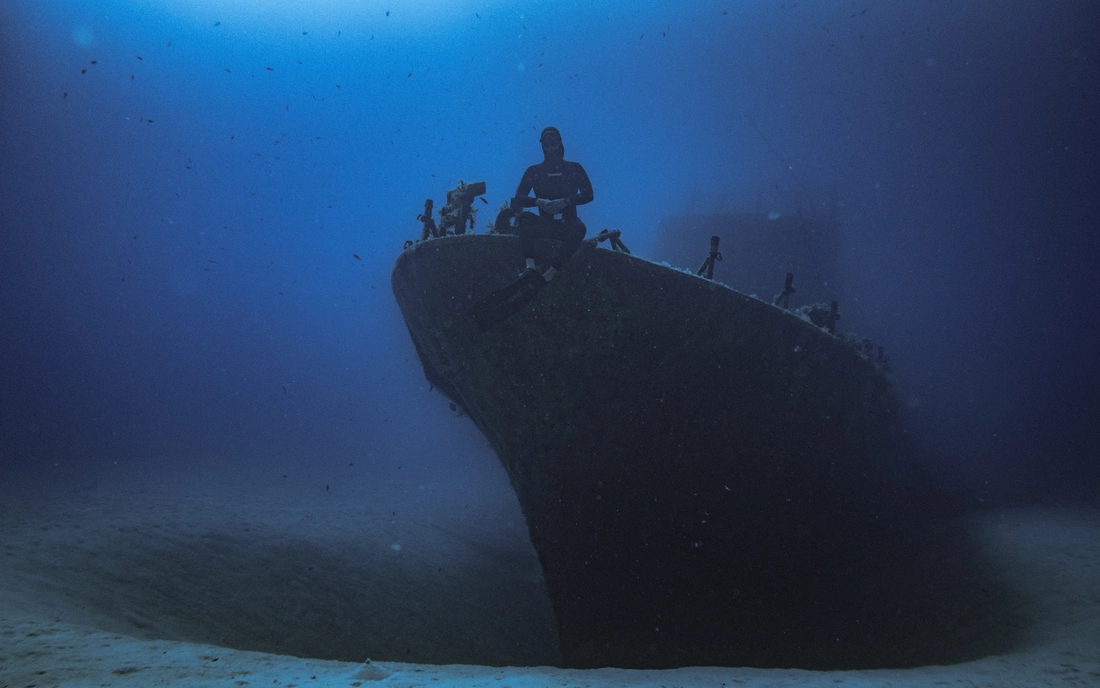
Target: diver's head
{"x": 552, "y": 147}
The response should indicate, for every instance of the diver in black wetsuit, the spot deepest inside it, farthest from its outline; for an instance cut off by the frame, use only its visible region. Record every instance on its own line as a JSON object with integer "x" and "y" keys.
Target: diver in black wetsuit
{"x": 559, "y": 186}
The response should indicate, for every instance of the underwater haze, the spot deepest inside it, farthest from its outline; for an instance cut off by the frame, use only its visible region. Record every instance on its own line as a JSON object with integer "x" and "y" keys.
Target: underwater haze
{"x": 201, "y": 202}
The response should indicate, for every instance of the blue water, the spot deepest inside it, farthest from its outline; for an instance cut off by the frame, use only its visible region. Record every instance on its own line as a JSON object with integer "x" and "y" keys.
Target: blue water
{"x": 200, "y": 204}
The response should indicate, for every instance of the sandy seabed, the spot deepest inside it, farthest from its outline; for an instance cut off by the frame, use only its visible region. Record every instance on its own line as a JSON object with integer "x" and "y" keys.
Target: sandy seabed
{"x": 202, "y": 579}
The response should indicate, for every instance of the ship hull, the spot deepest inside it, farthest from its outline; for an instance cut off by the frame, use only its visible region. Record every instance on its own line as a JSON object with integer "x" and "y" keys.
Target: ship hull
{"x": 706, "y": 478}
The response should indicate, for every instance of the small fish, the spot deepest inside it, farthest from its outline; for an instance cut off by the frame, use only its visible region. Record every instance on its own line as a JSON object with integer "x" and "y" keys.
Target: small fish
{"x": 84, "y": 71}
{"x": 409, "y": 74}
{"x": 387, "y": 13}
{"x": 64, "y": 95}
{"x": 169, "y": 44}
{"x": 139, "y": 57}
{"x": 94, "y": 61}
{"x": 227, "y": 71}
{"x": 131, "y": 77}
{"x": 270, "y": 69}
{"x": 217, "y": 23}
{"x": 356, "y": 256}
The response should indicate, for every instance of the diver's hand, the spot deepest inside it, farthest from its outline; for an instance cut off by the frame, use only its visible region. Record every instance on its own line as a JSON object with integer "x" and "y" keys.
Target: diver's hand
{"x": 552, "y": 207}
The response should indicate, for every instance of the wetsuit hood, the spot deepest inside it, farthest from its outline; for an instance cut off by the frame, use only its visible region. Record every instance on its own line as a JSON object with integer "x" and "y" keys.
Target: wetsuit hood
{"x": 553, "y": 150}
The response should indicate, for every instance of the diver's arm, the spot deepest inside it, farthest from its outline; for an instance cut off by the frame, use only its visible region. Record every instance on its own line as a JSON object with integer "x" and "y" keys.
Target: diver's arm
{"x": 583, "y": 186}
{"x": 523, "y": 199}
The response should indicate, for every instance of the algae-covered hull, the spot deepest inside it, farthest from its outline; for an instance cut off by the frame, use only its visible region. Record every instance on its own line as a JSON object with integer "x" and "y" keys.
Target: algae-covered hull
{"x": 702, "y": 473}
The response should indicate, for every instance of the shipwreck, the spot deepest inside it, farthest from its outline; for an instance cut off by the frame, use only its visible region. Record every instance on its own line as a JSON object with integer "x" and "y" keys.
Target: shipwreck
{"x": 708, "y": 478}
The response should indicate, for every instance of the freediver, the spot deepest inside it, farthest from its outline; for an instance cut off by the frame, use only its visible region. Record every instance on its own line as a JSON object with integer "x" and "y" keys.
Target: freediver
{"x": 560, "y": 186}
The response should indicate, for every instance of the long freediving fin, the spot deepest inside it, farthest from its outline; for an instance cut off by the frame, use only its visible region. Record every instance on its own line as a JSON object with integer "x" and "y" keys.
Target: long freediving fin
{"x": 501, "y": 304}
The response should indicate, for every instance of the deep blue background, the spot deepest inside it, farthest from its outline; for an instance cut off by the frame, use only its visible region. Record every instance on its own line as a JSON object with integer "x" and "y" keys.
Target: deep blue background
{"x": 176, "y": 260}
